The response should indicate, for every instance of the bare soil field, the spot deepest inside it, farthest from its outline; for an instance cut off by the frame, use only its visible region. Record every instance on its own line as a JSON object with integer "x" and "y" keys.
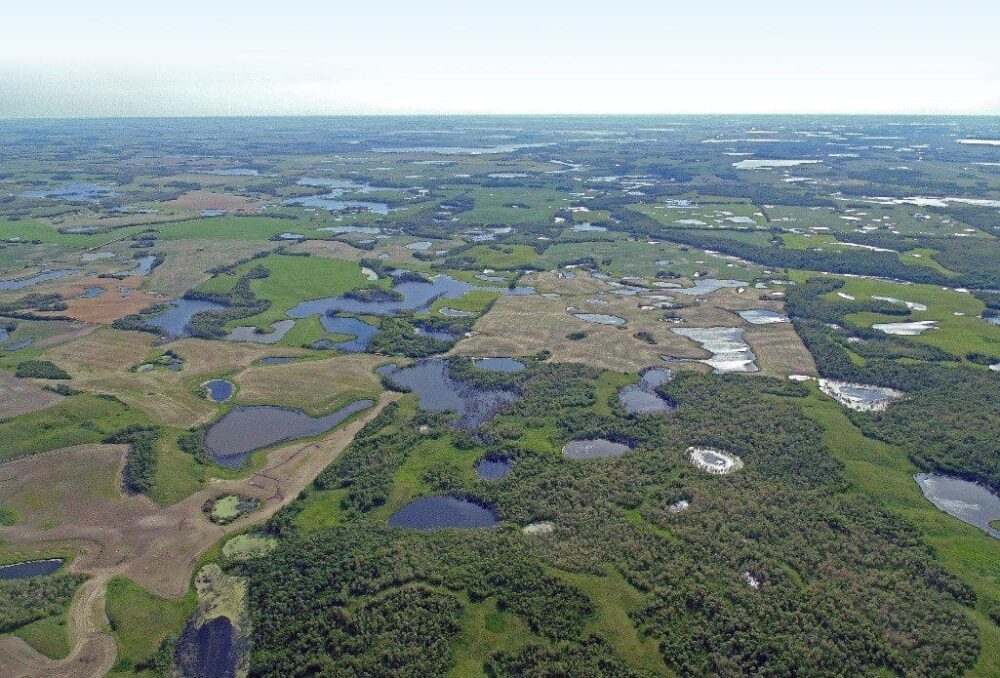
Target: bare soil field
{"x": 120, "y": 298}
{"x": 213, "y": 200}
{"x": 20, "y": 396}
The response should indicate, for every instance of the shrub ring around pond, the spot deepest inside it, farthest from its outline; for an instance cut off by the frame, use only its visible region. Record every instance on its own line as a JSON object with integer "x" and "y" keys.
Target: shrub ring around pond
{"x": 226, "y": 508}
{"x": 714, "y": 461}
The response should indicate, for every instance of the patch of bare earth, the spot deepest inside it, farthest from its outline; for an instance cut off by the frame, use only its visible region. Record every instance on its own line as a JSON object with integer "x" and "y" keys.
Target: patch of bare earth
{"x": 21, "y": 396}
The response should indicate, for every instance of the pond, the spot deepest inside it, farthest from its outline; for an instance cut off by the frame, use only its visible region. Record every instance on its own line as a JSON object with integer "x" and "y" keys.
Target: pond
{"x": 245, "y": 429}
{"x": 4, "y": 334}
{"x": 762, "y": 316}
{"x": 233, "y": 172}
{"x": 18, "y": 345}
{"x": 331, "y": 201}
{"x": 709, "y": 285}
{"x": 594, "y": 449}
{"x": 642, "y": 397}
{"x": 340, "y": 230}
{"x": 76, "y": 192}
{"x": 20, "y": 284}
{"x": 278, "y": 331}
{"x": 215, "y": 651}
{"x": 968, "y": 501}
{"x": 143, "y": 266}
{"x": 587, "y": 227}
{"x": 91, "y": 292}
{"x": 439, "y": 392}
{"x": 30, "y": 568}
{"x": 730, "y": 353}
{"x": 771, "y": 164}
{"x": 359, "y": 329}
{"x": 174, "y": 321}
{"x": 498, "y": 364}
{"x": 493, "y": 468}
{"x": 422, "y": 245}
{"x": 860, "y": 397}
{"x": 600, "y": 318}
{"x": 440, "y": 512}
{"x": 417, "y": 296}
{"x": 219, "y": 390}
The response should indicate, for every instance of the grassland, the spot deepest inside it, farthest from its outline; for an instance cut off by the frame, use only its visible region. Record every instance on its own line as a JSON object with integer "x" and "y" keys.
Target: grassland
{"x": 957, "y": 334}
{"x": 76, "y": 420}
{"x": 140, "y": 621}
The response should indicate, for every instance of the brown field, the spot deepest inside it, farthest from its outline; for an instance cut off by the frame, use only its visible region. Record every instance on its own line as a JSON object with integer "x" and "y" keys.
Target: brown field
{"x": 77, "y": 490}
{"x": 111, "y": 305}
{"x": 542, "y": 324}
{"x": 212, "y": 200}
{"x": 20, "y": 396}
{"x": 99, "y": 363}
{"x": 316, "y": 386}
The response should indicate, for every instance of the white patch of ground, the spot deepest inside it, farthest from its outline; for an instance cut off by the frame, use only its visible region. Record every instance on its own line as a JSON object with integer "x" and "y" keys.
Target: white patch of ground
{"x": 859, "y": 397}
{"x": 913, "y": 329}
{"x": 714, "y": 461}
{"x": 543, "y": 527}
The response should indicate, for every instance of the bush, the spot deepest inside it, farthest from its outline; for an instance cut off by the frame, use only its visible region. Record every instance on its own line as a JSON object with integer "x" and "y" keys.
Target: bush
{"x": 40, "y": 369}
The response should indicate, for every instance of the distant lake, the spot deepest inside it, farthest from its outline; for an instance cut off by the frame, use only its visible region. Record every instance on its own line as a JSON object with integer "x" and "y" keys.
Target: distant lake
{"x": 20, "y": 284}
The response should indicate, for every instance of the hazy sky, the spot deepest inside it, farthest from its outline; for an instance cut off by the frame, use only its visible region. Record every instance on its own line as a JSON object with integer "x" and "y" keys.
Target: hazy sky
{"x": 226, "y": 57}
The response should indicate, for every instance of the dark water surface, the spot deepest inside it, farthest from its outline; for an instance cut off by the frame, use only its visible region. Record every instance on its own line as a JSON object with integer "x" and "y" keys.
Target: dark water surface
{"x": 30, "y": 568}
{"x": 438, "y": 392}
{"x": 245, "y": 429}
{"x": 438, "y": 512}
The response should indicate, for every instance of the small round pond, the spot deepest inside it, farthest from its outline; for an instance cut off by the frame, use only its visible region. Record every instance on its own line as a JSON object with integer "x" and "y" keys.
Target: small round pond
{"x": 219, "y": 390}
{"x": 439, "y": 512}
{"x": 493, "y": 468}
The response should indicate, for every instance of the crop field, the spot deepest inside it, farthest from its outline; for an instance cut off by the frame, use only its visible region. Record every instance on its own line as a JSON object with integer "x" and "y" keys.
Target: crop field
{"x": 476, "y": 470}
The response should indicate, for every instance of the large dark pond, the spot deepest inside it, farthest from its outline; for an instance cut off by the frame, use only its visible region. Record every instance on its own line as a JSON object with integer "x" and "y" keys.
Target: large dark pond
{"x": 30, "y": 568}
{"x": 173, "y": 322}
{"x": 245, "y": 429}
{"x": 438, "y": 512}
{"x": 438, "y": 392}
{"x": 20, "y": 284}
{"x": 417, "y": 296}
{"x": 968, "y": 501}
{"x": 359, "y": 329}
{"x": 642, "y": 397}
{"x": 210, "y": 652}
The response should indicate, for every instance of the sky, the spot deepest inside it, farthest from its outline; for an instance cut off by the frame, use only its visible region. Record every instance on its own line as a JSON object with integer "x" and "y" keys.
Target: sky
{"x": 112, "y": 58}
